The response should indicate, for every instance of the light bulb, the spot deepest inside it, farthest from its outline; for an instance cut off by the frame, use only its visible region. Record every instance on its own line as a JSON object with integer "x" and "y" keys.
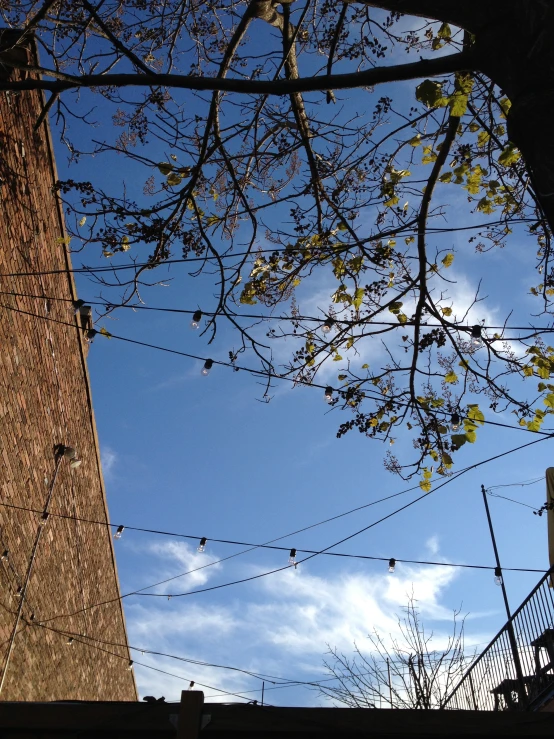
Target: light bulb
{"x": 120, "y": 530}
{"x": 69, "y": 642}
{"x": 19, "y": 592}
{"x": 130, "y": 665}
{"x": 202, "y": 546}
{"x": 90, "y": 334}
{"x": 5, "y": 555}
{"x": 392, "y": 564}
{"x": 292, "y": 557}
{"x": 476, "y": 339}
{"x": 498, "y": 576}
{"x": 77, "y": 305}
{"x": 208, "y": 364}
{"x": 196, "y": 318}
{"x": 191, "y": 685}
{"x": 328, "y": 325}
{"x": 455, "y": 421}
{"x": 44, "y": 519}
{"x": 328, "y": 394}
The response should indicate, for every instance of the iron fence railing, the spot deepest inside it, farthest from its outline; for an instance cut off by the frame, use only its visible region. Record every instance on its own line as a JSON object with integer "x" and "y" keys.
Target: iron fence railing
{"x": 516, "y": 671}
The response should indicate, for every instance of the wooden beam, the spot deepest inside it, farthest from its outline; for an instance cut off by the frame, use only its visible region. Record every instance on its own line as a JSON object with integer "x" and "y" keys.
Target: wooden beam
{"x": 190, "y": 714}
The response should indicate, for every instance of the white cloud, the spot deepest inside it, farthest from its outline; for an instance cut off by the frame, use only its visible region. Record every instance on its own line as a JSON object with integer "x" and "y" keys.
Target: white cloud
{"x": 197, "y": 566}
{"x": 280, "y": 625}
{"x": 109, "y": 459}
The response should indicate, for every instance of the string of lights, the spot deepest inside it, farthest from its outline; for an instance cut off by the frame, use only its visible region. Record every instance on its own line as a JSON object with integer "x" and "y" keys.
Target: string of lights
{"x": 326, "y": 324}
{"x": 326, "y": 549}
{"x": 251, "y": 547}
{"x": 455, "y": 419}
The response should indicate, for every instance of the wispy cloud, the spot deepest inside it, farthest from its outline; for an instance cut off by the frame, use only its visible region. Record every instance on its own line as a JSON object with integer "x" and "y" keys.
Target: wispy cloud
{"x": 280, "y": 626}
{"x": 109, "y": 459}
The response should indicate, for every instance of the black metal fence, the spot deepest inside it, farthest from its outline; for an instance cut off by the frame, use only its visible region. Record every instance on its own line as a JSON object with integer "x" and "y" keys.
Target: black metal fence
{"x": 516, "y": 671}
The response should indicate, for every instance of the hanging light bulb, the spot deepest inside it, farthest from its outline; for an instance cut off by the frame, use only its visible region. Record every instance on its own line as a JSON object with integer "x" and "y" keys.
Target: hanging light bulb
{"x": 5, "y": 555}
{"x": 196, "y": 318}
{"x": 69, "y": 642}
{"x": 328, "y": 394}
{"x": 191, "y": 685}
{"x": 292, "y": 557}
{"x": 455, "y": 421}
{"x": 19, "y": 592}
{"x": 90, "y": 334}
{"x": 328, "y": 325}
{"x": 498, "y": 576}
{"x": 392, "y": 564}
{"x": 208, "y": 364}
{"x": 130, "y": 665}
{"x": 120, "y": 530}
{"x": 77, "y": 305}
{"x": 476, "y": 339}
{"x": 44, "y": 518}
{"x": 202, "y": 546}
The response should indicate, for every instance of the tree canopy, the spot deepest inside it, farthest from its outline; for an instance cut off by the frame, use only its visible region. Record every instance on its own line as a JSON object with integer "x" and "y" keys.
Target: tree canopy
{"x": 289, "y": 147}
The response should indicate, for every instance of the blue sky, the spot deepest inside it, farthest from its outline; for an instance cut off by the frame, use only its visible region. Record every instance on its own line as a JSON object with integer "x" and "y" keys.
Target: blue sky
{"x": 202, "y": 456}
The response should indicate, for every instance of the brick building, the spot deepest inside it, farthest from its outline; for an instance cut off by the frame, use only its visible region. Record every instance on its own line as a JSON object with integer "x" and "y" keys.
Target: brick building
{"x": 45, "y": 400}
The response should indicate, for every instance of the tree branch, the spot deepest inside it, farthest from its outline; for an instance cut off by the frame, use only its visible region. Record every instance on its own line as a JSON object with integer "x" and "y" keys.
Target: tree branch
{"x": 378, "y": 75}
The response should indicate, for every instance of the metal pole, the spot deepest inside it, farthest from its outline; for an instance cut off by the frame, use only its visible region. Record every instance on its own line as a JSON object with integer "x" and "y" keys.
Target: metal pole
{"x": 509, "y": 625}
{"x": 263, "y": 686}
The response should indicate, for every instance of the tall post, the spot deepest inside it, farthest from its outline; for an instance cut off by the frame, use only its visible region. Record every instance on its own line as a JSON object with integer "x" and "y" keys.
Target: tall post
{"x": 509, "y": 625}
{"x": 390, "y": 683}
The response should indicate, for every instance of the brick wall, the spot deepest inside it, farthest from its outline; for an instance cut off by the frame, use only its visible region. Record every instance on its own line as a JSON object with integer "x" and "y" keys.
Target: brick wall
{"x": 45, "y": 400}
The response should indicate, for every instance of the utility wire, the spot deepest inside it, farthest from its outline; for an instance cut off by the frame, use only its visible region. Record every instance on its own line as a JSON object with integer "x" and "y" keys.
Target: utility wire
{"x": 108, "y": 304}
{"x": 258, "y": 373}
{"x": 252, "y": 546}
{"x": 236, "y": 255}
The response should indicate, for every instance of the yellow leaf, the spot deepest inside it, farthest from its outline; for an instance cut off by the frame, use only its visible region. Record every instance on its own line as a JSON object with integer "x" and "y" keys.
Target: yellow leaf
{"x": 83, "y": 221}
{"x": 448, "y": 259}
{"x": 105, "y": 333}
{"x": 425, "y": 485}
{"x": 446, "y": 311}
{"x": 451, "y": 377}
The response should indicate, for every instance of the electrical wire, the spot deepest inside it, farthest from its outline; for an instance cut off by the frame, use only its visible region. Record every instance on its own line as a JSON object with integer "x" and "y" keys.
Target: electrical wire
{"x": 207, "y": 258}
{"x": 108, "y": 305}
{"x": 257, "y": 373}
{"x": 252, "y": 547}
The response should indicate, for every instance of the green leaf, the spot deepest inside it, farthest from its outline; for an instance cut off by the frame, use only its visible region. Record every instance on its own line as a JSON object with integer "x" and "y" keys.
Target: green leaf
{"x": 446, "y": 177}
{"x": 444, "y": 31}
{"x": 458, "y": 439}
{"x": 509, "y": 156}
{"x": 165, "y": 168}
{"x": 358, "y": 298}
{"x": 471, "y": 436}
{"x": 430, "y": 94}
{"x": 549, "y": 400}
{"x": 458, "y": 104}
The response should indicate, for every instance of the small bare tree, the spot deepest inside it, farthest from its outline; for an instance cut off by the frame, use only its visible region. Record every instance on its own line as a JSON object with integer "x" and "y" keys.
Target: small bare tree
{"x": 403, "y": 673}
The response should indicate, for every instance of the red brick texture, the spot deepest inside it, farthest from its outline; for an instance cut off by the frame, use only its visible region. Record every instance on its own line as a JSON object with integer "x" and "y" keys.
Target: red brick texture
{"x": 45, "y": 400}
